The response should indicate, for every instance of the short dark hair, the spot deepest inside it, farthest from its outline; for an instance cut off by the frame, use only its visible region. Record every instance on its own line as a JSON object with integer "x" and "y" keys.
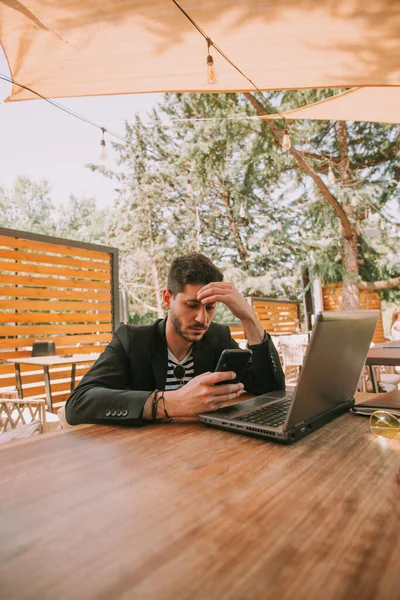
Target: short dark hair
{"x": 192, "y": 268}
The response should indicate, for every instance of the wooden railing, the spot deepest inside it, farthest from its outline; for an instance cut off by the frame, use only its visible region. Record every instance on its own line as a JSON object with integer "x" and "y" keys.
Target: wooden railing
{"x": 332, "y": 299}
{"x": 278, "y": 317}
{"x": 58, "y": 290}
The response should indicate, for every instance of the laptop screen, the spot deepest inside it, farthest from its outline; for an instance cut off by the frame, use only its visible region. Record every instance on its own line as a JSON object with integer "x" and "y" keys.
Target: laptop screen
{"x": 333, "y": 363}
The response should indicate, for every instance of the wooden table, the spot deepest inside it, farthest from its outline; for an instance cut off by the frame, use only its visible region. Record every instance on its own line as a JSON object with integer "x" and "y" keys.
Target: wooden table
{"x": 180, "y": 511}
{"x": 46, "y": 362}
{"x": 387, "y": 354}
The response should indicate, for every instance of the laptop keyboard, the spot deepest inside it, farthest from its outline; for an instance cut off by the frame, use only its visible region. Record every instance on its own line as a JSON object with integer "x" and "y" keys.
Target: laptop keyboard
{"x": 272, "y": 415}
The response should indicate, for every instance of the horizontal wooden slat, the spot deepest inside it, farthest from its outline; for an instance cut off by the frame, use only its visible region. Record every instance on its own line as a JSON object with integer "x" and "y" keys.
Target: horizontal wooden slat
{"x": 6, "y": 353}
{"x": 30, "y": 375}
{"x": 39, "y": 329}
{"x": 52, "y": 282}
{"x": 271, "y": 301}
{"x": 276, "y": 316}
{"x": 64, "y": 341}
{"x": 54, "y": 306}
{"x": 45, "y": 317}
{"x": 31, "y": 389}
{"x": 26, "y": 292}
{"x": 17, "y": 267}
{"x": 36, "y": 246}
{"x": 54, "y": 260}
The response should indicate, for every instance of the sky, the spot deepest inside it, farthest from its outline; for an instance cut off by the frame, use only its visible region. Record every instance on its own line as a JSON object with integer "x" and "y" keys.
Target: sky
{"x": 41, "y": 141}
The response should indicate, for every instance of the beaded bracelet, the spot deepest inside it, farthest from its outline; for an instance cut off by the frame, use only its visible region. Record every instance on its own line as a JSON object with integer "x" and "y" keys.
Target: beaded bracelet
{"x": 154, "y": 406}
{"x": 165, "y": 410}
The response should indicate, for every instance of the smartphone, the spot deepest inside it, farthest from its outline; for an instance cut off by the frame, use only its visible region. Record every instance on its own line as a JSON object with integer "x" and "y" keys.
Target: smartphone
{"x": 233, "y": 360}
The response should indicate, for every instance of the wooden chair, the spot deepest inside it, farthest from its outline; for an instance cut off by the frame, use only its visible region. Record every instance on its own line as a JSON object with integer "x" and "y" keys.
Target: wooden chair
{"x": 292, "y": 352}
{"x": 387, "y": 379}
{"x": 16, "y": 412}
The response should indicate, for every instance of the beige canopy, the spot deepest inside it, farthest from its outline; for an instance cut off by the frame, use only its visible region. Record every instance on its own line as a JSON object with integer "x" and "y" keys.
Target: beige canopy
{"x": 380, "y": 104}
{"x": 94, "y": 47}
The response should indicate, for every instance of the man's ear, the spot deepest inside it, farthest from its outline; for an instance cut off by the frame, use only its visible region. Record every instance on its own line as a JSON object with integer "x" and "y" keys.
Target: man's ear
{"x": 167, "y": 297}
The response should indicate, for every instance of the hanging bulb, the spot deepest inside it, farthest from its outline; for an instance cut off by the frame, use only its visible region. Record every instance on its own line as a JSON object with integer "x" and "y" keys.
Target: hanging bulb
{"x": 279, "y": 226}
{"x": 242, "y": 211}
{"x": 211, "y": 74}
{"x": 103, "y": 149}
{"x": 189, "y": 189}
{"x": 286, "y": 141}
{"x": 331, "y": 174}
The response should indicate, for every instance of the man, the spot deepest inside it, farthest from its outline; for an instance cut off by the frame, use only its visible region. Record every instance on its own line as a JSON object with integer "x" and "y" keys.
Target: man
{"x": 176, "y": 355}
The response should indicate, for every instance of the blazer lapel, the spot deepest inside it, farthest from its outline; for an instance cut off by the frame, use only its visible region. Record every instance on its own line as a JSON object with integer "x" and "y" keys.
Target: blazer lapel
{"x": 160, "y": 355}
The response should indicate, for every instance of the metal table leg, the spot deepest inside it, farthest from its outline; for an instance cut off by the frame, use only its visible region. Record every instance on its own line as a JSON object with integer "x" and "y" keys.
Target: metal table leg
{"x": 48, "y": 387}
{"x": 73, "y": 373}
{"x": 18, "y": 380}
{"x": 373, "y": 379}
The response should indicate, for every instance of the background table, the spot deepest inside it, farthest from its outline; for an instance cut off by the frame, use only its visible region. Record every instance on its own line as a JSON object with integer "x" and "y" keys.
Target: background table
{"x": 387, "y": 354}
{"x": 179, "y": 511}
{"x": 46, "y": 362}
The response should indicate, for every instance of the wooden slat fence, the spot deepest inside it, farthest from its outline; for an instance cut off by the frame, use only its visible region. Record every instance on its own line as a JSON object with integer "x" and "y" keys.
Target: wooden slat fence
{"x": 278, "y": 317}
{"x": 332, "y": 299}
{"x": 58, "y": 290}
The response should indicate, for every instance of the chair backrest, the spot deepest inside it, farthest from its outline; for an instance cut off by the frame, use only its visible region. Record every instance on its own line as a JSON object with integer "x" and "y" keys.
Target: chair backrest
{"x": 293, "y": 354}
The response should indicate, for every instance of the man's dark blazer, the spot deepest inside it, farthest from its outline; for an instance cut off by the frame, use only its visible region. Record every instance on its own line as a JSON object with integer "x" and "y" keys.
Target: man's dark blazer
{"x": 135, "y": 363}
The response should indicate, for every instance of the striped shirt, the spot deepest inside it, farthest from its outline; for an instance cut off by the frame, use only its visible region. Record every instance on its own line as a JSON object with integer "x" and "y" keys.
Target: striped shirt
{"x": 172, "y": 382}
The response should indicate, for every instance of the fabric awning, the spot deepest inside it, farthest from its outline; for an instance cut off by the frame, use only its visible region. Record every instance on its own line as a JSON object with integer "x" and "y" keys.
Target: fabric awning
{"x": 379, "y": 104}
{"x": 95, "y": 47}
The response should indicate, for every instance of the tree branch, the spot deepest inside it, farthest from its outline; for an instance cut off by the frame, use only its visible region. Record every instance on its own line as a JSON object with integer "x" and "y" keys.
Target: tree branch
{"x": 385, "y": 284}
{"x": 306, "y": 167}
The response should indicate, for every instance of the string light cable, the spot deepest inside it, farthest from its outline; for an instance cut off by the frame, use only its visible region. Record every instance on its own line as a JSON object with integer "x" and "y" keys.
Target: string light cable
{"x": 286, "y": 142}
{"x": 70, "y": 112}
{"x": 84, "y": 119}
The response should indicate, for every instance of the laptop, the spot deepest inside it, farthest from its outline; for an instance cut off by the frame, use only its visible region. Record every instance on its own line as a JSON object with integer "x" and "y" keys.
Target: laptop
{"x": 328, "y": 379}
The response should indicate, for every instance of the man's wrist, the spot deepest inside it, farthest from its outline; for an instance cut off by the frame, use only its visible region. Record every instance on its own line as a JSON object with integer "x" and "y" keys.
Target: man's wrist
{"x": 169, "y": 400}
{"x": 253, "y": 330}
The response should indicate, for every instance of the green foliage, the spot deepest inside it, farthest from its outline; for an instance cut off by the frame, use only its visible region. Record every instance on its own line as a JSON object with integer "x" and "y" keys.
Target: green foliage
{"x": 28, "y": 206}
{"x": 199, "y": 175}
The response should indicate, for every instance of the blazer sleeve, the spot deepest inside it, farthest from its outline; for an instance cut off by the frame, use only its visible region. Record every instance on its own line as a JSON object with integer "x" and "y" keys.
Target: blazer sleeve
{"x": 264, "y": 372}
{"x": 101, "y": 396}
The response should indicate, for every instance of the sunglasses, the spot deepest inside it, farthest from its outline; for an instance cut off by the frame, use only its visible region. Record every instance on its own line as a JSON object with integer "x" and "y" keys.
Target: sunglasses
{"x": 179, "y": 373}
{"x": 384, "y": 424}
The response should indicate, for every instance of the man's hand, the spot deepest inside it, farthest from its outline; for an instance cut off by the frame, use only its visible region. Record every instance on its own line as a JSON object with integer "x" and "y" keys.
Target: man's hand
{"x": 202, "y": 395}
{"x": 224, "y": 291}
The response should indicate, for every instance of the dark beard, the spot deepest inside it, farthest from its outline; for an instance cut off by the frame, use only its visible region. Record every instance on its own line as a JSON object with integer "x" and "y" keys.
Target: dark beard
{"x": 178, "y": 328}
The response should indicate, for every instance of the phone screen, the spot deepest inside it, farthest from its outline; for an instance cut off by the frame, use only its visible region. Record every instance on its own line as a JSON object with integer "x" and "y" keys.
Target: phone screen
{"x": 233, "y": 360}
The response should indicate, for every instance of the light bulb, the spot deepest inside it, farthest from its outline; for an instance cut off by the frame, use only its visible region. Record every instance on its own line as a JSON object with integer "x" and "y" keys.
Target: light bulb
{"x": 331, "y": 175}
{"x": 211, "y": 74}
{"x": 242, "y": 211}
{"x": 279, "y": 226}
{"x": 286, "y": 141}
{"x": 103, "y": 149}
{"x": 189, "y": 189}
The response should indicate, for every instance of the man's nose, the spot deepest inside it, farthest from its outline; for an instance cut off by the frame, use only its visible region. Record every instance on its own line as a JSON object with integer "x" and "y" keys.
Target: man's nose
{"x": 202, "y": 315}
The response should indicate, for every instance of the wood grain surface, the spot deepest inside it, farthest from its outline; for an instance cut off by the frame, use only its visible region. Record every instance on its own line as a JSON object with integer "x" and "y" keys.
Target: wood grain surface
{"x": 180, "y": 511}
